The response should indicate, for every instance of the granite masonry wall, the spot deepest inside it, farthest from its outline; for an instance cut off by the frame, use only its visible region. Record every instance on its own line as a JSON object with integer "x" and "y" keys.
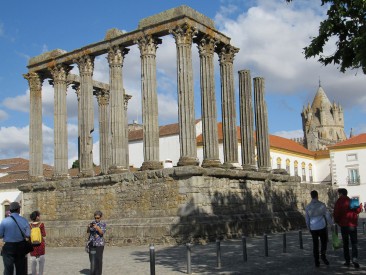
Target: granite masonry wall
{"x": 173, "y": 205}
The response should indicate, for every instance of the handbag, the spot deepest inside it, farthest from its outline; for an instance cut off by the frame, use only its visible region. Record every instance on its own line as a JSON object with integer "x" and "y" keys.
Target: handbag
{"x": 336, "y": 242}
{"x": 25, "y": 246}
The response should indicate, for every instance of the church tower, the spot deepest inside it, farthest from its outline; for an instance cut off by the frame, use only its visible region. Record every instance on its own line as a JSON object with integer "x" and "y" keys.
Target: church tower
{"x": 322, "y": 122}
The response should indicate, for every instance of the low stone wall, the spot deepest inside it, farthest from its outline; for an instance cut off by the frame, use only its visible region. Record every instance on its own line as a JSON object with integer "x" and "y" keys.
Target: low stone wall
{"x": 172, "y": 205}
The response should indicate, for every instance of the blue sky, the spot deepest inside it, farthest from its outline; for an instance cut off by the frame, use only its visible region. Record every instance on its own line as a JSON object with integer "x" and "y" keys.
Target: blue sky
{"x": 271, "y": 35}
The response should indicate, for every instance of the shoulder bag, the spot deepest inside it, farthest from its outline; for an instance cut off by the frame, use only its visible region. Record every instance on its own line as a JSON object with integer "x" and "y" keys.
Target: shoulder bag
{"x": 25, "y": 246}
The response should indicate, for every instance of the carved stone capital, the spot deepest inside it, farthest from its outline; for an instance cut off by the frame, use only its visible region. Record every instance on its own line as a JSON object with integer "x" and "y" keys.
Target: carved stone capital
{"x": 183, "y": 34}
{"x": 76, "y": 87}
{"x": 227, "y": 53}
{"x": 102, "y": 96}
{"x": 85, "y": 64}
{"x": 148, "y": 45}
{"x": 116, "y": 55}
{"x": 206, "y": 45}
{"x": 126, "y": 99}
{"x": 59, "y": 73}
{"x": 35, "y": 81}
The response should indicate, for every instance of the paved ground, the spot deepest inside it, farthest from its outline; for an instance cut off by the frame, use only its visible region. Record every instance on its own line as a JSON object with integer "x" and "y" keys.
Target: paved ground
{"x": 173, "y": 259}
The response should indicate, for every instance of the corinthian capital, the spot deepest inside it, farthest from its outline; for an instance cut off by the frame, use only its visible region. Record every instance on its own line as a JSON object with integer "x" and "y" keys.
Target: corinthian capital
{"x": 148, "y": 44}
{"x": 126, "y": 99}
{"x": 206, "y": 45}
{"x": 226, "y": 53}
{"x": 102, "y": 96}
{"x": 60, "y": 72}
{"x": 85, "y": 64}
{"x": 35, "y": 81}
{"x": 183, "y": 34}
{"x": 116, "y": 55}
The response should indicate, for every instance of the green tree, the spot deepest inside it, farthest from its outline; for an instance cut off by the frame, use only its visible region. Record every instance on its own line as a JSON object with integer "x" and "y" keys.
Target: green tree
{"x": 75, "y": 164}
{"x": 346, "y": 21}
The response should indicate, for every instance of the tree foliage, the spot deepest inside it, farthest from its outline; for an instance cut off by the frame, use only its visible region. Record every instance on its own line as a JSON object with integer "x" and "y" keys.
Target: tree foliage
{"x": 345, "y": 21}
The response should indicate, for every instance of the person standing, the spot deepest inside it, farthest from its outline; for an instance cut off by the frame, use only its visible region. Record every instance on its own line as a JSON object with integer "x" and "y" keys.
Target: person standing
{"x": 317, "y": 216}
{"x": 38, "y": 254}
{"x": 347, "y": 219}
{"x": 96, "y": 230}
{"x": 10, "y": 233}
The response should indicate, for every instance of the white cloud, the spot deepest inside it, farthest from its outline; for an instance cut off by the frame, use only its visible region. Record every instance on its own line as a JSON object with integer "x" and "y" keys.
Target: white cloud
{"x": 14, "y": 142}
{"x": 3, "y": 115}
{"x": 271, "y": 37}
{"x": 19, "y": 103}
{"x": 290, "y": 134}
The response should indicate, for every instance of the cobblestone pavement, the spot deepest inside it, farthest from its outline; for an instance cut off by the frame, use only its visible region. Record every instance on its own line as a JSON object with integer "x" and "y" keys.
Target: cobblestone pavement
{"x": 173, "y": 259}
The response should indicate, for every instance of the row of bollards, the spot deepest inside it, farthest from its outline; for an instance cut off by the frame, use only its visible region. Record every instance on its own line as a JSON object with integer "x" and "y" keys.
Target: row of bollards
{"x": 218, "y": 251}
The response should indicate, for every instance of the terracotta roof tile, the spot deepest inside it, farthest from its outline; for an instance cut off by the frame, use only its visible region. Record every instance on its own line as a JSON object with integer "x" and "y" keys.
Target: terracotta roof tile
{"x": 165, "y": 130}
{"x": 274, "y": 141}
{"x": 356, "y": 140}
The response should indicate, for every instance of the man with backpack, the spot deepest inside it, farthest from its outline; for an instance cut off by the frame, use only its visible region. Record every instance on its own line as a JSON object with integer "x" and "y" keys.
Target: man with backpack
{"x": 347, "y": 218}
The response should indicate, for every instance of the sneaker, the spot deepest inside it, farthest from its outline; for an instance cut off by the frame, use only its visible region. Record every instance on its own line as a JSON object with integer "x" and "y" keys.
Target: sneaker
{"x": 347, "y": 264}
{"x": 356, "y": 264}
{"x": 325, "y": 260}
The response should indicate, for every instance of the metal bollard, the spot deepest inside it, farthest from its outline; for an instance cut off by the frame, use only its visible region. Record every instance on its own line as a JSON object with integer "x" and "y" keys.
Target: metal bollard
{"x": 189, "y": 268}
{"x": 152, "y": 259}
{"x": 92, "y": 254}
{"x": 284, "y": 243}
{"x": 218, "y": 253}
{"x": 300, "y": 240}
{"x": 265, "y": 245}
{"x": 245, "y": 255}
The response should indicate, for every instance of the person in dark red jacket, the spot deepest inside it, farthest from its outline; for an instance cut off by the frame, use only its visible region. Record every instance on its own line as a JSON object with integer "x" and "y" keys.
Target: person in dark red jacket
{"x": 347, "y": 219}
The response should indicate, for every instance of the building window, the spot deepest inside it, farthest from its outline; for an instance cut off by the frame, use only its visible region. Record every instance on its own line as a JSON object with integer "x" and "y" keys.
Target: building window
{"x": 351, "y": 157}
{"x": 296, "y": 170}
{"x": 288, "y": 166}
{"x": 353, "y": 176}
{"x": 310, "y": 172}
{"x": 278, "y": 163}
{"x": 303, "y": 172}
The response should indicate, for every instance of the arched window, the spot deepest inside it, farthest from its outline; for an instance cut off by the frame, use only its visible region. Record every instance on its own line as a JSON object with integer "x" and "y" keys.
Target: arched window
{"x": 296, "y": 169}
{"x": 288, "y": 166}
{"x": 278, "y": 163}
{"x": 303, "y": 171}
{"x": 310, "y": 172}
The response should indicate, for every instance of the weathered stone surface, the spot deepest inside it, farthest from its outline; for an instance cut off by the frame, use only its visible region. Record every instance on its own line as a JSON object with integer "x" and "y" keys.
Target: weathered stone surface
{"x": 113, "y": 33}
{"x": 174, "y": 205}
{"x": 46, "y": 56}
{"x": 175, "y": 14}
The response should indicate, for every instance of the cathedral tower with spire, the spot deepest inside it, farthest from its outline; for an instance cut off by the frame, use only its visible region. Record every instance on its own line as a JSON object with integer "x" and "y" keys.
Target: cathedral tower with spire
{"x": 322, "y": 122}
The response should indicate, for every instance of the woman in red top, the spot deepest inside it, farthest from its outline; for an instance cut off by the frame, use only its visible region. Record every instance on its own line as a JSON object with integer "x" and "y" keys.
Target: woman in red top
{"x": 37, "y": 255}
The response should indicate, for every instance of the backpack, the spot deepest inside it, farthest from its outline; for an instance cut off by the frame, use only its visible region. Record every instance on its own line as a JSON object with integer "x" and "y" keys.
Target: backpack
{"x": 36, "y": 236}
{"x": 354, "y": 203}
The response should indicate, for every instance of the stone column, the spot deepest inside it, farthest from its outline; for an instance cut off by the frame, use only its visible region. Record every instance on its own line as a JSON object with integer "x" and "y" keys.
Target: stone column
{"x": 148, "y": 46}
{"x": 228, "y": 106}
{"x": 59, "y": 75}
{"x": 35, "y": 127}
{"x": 187, "y": 124}
{"x": 206, "y": 46}
{"x": 127, "y": 98}
{"x": 261, "y": 121}
{"x": 246, "y": 121}
{"x": 86, "y": 67}
{"x": 76, "y": 87}
{"x": 104, "y": 140}
{"x": 118, "y": 133}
